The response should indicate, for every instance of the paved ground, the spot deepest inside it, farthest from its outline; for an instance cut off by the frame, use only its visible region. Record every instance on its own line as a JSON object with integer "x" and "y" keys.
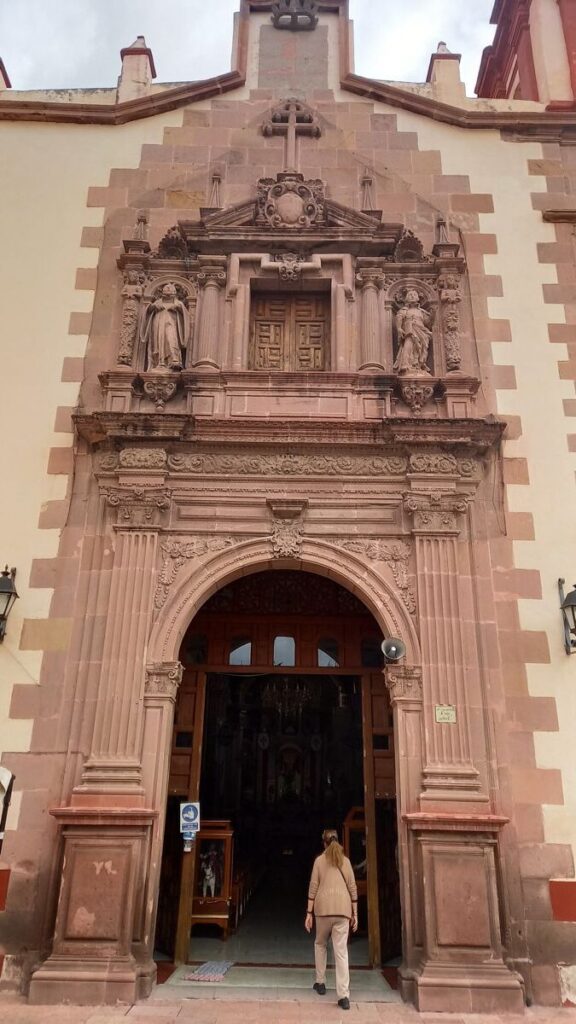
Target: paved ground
{"x": 228, "y": 1011}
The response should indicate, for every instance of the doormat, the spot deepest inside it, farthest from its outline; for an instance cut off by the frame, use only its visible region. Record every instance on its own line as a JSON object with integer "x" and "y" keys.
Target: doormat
{"x": 212, "y": 970}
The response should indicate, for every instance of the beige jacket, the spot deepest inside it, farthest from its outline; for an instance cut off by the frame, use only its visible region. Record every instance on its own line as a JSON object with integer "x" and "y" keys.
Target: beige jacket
{"x": 332, "y": 891}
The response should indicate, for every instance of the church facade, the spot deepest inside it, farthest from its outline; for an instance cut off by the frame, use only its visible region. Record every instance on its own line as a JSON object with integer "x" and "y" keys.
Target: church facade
{"x": 297, "y": 356}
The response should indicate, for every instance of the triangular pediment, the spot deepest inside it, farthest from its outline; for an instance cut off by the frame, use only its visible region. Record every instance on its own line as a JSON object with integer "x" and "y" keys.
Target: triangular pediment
{"x": 289, "y": 207}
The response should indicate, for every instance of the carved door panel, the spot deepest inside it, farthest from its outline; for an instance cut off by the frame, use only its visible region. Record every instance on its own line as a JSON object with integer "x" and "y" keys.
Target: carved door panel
{"x": 290, "y": 332}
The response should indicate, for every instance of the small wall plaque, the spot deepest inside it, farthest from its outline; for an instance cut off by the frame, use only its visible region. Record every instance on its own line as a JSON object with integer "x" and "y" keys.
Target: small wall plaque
{"x": 446, "y": 713}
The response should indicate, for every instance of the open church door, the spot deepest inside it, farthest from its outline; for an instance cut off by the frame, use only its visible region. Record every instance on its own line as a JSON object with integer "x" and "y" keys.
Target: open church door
{"x": 184, "y": 781}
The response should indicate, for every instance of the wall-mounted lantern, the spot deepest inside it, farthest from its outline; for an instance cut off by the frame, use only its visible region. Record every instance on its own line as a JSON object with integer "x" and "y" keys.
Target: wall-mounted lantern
{"x": 8, "y": 595}
{"x": 568, "y": 607}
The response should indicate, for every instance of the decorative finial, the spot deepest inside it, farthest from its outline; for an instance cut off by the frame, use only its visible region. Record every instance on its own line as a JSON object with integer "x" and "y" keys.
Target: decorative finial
{"x": 367, "y": 197}
{"x": 141, "y": 229}
{"x": 214, "y": 200}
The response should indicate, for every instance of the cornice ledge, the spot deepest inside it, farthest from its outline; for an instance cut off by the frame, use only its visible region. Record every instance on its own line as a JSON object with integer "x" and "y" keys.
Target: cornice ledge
{"x": 545, "y": 125}
{"x": 132, "y": 426}
{"x": 559, "y": 216}
{"x": 120, "y": 113}
{"x": 478, "y": 434}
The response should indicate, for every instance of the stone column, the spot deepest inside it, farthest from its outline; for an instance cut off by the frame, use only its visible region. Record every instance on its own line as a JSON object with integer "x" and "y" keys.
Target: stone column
{"x": 211, "y": 280}
{"x": 115, "y": 757}
{"x": 449, "y": 773}
{"x": 106, "y": 830}
{"x": 371, "y": 282}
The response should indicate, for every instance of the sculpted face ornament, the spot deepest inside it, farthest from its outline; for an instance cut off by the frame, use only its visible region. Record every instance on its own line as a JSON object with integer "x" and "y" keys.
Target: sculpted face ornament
{"x": 296, "y": 15}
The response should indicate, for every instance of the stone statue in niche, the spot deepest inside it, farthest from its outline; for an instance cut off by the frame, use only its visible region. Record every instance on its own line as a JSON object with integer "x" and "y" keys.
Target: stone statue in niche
{"x": 165, "y": 331}
{"x": 413, "y": 327}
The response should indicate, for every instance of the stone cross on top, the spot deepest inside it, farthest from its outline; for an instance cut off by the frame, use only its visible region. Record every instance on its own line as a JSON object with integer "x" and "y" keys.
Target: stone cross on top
{"x": 292, "y": 118}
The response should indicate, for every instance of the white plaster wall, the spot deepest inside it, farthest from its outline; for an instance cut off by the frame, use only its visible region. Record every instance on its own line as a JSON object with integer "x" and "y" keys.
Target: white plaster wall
{"x": 501, "y": 168}
{"x": 45, "y": 174}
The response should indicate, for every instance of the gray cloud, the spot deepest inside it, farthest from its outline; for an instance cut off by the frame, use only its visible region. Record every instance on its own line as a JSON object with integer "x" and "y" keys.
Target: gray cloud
{"x": 73, "y": 43}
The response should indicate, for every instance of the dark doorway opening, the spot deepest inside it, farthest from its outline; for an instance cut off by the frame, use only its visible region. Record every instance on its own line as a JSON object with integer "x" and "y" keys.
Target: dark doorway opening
{"x": 282, "y": 760}
{"x": 282, "y": 727}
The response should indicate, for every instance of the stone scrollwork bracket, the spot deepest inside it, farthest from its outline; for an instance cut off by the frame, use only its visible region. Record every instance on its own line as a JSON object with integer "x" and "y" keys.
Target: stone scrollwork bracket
{"x": 436, "y": 512}
{"x": 163, "y": 680}
{"x": 404, "y": 682}
{"x": 139, "y": 507}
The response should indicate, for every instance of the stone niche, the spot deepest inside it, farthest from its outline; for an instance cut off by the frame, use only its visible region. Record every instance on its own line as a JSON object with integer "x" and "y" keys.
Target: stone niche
{"x": 288, "y": 283}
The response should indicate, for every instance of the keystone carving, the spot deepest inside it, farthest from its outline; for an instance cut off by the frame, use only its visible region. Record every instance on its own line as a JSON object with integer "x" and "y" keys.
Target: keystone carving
{"x": 296, "y": 15}
{"x": 435, "y": 512}
{"x": 404, "y": 682}
{"x": 287, "y": 539}
{"x": 138, "y": 507}
{"x": 290, "y": 267}
{"x": 163, "y": 680}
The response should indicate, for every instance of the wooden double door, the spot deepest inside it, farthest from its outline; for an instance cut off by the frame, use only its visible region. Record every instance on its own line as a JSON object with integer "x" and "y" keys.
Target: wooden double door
{"x": 290, "y": 332}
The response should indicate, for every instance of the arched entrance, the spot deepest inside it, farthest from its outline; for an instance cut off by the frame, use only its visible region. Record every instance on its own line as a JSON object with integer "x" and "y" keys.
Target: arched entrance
{"x": 283, "y": 726}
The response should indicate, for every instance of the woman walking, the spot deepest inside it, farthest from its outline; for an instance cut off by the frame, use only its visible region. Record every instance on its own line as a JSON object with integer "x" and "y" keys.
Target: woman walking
{"x": 333, "y": 902}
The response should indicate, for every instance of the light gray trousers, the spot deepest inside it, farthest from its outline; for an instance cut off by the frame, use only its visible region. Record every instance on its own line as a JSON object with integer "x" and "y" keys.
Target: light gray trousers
{"x": 335, "y": 928}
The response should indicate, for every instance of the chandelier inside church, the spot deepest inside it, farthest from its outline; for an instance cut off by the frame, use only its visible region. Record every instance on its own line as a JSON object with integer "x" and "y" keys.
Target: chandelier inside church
{"x": 286, "y": 694}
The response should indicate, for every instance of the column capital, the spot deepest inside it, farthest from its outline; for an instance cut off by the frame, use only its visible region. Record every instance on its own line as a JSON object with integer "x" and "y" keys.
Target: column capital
{"x": 162, "y": 680}
{"x": 211, "y": 276}
{"x": 140, "y": 508}
{"x": 404, "y": 683}
{"x": 370, "y": 277}
{"x": 435, "y": 512}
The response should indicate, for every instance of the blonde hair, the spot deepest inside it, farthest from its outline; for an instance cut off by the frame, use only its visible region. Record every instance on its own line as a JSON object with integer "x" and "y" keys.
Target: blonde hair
{"x": 334, "y": 853}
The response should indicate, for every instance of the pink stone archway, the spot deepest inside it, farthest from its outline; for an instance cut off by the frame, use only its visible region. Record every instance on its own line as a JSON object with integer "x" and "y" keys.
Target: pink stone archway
{"x": 200, "y": 578}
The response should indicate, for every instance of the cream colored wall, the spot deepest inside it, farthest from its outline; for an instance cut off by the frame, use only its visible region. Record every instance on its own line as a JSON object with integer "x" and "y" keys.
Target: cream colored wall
{"x": 501, "y": 168}
{"x": 46, "y": 171}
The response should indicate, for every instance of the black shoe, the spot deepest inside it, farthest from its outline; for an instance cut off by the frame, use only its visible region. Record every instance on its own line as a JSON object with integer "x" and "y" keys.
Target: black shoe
{"x": 344, "y": 1004}
{"x": 319, "y": 987}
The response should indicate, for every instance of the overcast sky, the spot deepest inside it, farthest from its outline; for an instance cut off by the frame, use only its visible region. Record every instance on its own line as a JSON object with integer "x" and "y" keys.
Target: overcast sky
{"x": 72, "y": 43}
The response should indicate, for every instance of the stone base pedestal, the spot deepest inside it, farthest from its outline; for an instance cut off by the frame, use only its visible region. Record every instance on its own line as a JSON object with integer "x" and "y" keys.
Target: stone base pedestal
{"x": 467, "y": 989}
{"x": 90, "y": 983}
{"x": 100, "y": 910}
{"x": 458, "y": 964}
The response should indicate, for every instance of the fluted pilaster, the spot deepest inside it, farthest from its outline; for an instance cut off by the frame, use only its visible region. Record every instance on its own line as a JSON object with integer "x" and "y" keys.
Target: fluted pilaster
{"x": 370, "y": 283}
